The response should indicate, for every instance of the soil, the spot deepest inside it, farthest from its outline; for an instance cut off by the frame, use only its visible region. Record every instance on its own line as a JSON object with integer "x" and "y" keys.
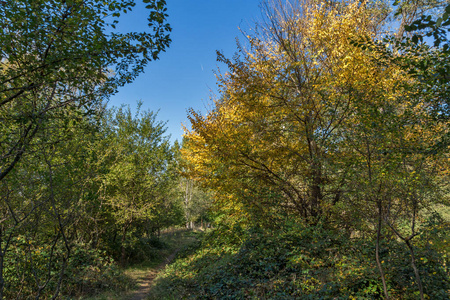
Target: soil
{"x": 145, "y": 282}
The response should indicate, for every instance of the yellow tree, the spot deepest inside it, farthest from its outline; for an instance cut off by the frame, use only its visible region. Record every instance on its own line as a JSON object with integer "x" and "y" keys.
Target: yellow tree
{"x": 312, "y": 126}
{"x": 286, "y": 97}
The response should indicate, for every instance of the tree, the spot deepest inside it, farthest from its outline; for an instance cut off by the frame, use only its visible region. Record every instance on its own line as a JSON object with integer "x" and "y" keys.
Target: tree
{"x": 422, "y": 113}
{"x": 285, "y": 102}
{"x": 136, "y": 188}
{"x": 57, "y": 56}
{"x": 43, "y": 204}
{"x": 59, "y": 62}
{"x": 196, "y": 203}
{"x": 311, "y": 127}
{"x": 421, "y": 48}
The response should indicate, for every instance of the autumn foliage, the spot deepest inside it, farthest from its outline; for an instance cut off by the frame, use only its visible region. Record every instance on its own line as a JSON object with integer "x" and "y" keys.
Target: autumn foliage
{"x": 313, "y": 126}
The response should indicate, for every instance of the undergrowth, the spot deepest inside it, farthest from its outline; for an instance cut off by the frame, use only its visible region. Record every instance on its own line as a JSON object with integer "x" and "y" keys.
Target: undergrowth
{"x": 305, "y": 263}
{"x": 152, "y": 254}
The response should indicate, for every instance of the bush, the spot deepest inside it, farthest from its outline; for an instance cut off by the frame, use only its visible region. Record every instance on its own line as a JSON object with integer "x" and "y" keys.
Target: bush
{"x": 304, "y": 262}
{"x": 144, "y": 249}
{"x": 90, "y": 272}
{"x": 87, "y": 272}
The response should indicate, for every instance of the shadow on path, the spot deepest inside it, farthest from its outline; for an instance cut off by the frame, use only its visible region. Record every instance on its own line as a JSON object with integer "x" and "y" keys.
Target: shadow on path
{"x": 145, "y": 282}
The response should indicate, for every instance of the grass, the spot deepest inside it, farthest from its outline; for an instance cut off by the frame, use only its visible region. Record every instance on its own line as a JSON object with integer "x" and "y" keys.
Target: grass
{"x": 174, "y": 240}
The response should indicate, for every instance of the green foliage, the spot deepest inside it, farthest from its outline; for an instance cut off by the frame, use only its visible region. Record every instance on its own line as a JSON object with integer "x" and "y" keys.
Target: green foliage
{"x": 59, "y": 56}
{"x": 54, "y": 201}
{"x": 88, "y": 270}
{"x": 139, "y": 184}
{"x": 323, "y": 121}
{"x": 91, "y": 271}
{"x": 423, "y": 52}
{"x": 42, "y": 208}
{"x": 304, "y": 262}
{"x": 197, "y": 204}
{"x": 143, "y": 249}
{"x": 324, "y": 162}
{"x": 60, "y": 61}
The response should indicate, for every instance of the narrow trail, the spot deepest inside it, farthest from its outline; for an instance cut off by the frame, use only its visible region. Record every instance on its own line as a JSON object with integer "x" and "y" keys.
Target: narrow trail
{"x": 145, "y": 282}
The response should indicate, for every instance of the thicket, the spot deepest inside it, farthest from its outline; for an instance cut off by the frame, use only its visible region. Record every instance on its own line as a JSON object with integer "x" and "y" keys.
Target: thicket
{"x": 91, "y": 203}
{"x": 326, "y": 155}
{"x": 328, "y": 121}
{"x": 306, "y": 262}
{"x": 83, "y": 189}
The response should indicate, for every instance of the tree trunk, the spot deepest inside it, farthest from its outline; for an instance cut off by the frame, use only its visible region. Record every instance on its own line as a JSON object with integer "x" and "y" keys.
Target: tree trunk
{"x": 377, "y": 252}
{"x": 122, "y": 246}
{"x": 407, "y": 241}
{"x": 2, "y": 280}
{"x": 416, "y": 271}
{"x": 187, "y": 200}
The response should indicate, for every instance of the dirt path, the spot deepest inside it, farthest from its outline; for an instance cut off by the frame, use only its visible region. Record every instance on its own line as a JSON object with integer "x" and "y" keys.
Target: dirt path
{"x": 145, "y": 282}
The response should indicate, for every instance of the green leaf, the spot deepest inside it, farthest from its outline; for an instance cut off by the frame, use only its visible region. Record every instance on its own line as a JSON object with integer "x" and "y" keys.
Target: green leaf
{"x": 447, "y": 9}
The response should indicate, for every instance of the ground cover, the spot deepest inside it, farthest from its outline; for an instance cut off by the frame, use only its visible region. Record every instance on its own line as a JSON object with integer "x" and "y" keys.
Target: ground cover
{"x": 137, "y": 278}
{"x": 304, "y": 263}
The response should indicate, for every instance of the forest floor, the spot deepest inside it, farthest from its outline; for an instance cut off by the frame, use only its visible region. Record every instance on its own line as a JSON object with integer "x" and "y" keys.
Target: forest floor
{"x": 145, "y": 280}
{"x": 143, "y": 274}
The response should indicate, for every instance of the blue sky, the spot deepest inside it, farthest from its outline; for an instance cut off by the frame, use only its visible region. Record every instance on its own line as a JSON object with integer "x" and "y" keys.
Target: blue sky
{"x": 184, "y": 75}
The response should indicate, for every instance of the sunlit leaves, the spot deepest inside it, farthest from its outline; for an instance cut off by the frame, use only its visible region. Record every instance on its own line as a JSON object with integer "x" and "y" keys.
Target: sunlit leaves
{"x": 311, "y": 124}
{"x": 57, "y": 55}
{"x": 286, "y": 100}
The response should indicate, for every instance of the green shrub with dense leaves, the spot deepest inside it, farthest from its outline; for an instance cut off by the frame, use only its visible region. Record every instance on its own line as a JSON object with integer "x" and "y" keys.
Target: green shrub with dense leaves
{"x": 87, "y": 271}
{"x": 306, "y": 262}
{"x": 92, "y": 271}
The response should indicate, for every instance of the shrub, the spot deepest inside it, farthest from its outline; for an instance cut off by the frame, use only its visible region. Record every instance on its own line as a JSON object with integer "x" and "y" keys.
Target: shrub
{"x": 305, "y": 262}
